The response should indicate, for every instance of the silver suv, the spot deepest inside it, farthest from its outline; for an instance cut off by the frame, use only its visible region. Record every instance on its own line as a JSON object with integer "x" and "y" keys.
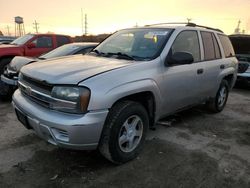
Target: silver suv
{"x": 109, "y": 98}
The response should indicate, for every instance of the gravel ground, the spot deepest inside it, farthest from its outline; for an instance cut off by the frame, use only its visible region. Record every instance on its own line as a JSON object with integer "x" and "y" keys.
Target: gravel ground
{"x": 190, "y": 149}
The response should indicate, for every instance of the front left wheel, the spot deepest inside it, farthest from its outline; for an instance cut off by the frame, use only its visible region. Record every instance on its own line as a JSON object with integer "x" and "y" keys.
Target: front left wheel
{"x": 124, "y": 132}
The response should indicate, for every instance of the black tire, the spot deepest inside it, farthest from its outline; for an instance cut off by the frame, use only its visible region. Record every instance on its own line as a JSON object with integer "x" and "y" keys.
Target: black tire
{"x": 109, "y": 145}
{"x": 4, "y": 62}
{"x": 5, "y": 90}
{"x": 216, "y": 104}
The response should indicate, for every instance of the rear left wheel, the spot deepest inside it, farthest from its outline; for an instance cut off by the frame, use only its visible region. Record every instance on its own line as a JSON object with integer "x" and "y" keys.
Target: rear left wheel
{"x": 218, "y": 103}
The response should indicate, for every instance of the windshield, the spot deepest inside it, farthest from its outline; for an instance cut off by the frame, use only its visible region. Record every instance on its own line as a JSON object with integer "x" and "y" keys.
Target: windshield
{"x": 136, "y": 44}
{"x": 241, "y": 44}
{"x": 64, "y": 50}
{"x": 22, "y": 40}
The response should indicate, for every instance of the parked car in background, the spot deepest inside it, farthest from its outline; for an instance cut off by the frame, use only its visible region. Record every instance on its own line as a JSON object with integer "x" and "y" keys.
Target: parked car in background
{"x": 32, "y": 45}
{"x": 241, "y": 44}
{"x": 10, "y": 75}
{"x": 6, "y": 39}
{"x": 109, "y": 98}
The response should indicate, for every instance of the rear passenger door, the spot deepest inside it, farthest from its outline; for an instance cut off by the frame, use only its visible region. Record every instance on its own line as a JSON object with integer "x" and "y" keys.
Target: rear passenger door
{"x": 211, "y": 65}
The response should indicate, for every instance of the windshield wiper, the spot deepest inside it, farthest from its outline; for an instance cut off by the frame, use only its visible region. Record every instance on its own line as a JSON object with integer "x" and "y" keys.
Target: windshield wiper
{"x": 121, "y": 55}
{"x": 97, "y": 52}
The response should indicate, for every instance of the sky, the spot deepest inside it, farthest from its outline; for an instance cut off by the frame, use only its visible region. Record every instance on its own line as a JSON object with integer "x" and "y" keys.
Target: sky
{"x": 107, "y": 16}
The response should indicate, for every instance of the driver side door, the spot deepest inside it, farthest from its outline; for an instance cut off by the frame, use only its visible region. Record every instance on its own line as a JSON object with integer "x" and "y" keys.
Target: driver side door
{"x": 180, "y": 85}
{"x": 40, "y": 45}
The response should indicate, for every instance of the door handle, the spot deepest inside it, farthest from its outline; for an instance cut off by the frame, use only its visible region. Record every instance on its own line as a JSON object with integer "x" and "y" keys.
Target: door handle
{"x": 200, "y": 71}
{"x": 222, "y": 66}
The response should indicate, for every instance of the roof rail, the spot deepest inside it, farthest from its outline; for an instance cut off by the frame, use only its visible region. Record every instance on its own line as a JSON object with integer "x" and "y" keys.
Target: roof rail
{"x": 189, "y": 24}
{"x": 168, "y": 23}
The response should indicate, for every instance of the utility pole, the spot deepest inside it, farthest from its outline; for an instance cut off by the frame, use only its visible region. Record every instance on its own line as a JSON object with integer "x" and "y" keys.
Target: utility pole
{"x": 86, "y": 24}
{"x": 8, "y": 30}
{"x": 36, "y": 26}
{"x": 82, "y": 20}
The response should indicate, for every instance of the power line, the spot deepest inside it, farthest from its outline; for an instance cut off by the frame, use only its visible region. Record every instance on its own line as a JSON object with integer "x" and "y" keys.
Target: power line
{"x": 36, "y": 26}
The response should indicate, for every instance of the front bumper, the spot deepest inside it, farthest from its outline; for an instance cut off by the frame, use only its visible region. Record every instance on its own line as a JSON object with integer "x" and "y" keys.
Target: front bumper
{"x": 9, "y": 81}
{"x": 72, "y": 131}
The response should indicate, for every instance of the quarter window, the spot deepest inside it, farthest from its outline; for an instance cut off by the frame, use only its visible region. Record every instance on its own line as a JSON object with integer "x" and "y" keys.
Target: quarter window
{"x": 227, "y": 46}
{"x": 187, "y": 41}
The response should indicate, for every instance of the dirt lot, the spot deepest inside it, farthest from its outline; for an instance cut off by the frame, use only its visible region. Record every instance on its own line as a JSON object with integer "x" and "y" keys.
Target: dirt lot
{"x": 191, "y": 149}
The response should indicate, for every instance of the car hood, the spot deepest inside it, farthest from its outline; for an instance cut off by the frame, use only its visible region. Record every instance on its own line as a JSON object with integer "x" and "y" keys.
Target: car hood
{"x": 8, "y": 46}
{"x": 71, "y": 69}
{"x": 18, "y": 62}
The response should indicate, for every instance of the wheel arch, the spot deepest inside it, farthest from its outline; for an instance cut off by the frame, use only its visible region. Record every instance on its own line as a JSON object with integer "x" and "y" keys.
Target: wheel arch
{"x": 146, "y": 99}
{"x": 230, "y": 80}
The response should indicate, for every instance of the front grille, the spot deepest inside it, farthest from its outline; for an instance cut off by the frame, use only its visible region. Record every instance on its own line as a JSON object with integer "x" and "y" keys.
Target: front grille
{"x": 36, "y": 100}
{"x": 41, "y": 98}
{"x": 10, "y": 74}
{"x": 243, "y": 67}
{"x": 38, "y": 85}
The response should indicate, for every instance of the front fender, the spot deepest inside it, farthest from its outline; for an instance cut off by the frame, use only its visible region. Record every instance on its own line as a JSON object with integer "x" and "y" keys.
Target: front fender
{"x": 107, "y": 99}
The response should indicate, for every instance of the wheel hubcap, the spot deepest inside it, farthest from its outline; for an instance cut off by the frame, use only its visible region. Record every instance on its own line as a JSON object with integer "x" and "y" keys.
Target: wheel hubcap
{"x": 222, "y": 96}
{"x": 130, "y": 133}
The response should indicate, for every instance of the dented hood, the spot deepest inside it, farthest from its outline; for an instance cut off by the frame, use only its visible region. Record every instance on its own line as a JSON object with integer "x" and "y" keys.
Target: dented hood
{"x": 71, "y": 69}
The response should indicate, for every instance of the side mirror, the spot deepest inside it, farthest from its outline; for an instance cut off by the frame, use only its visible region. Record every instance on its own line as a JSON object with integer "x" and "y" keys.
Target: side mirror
{"x": 31, "y": 45}
{"x": 179, "y": 58}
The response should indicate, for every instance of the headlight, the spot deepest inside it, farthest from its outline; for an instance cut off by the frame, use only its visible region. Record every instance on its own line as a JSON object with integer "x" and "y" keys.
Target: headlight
{"x": 70, "y": 99}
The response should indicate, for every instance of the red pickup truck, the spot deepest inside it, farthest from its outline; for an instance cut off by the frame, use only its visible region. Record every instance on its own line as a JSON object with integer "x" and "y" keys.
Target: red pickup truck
{"x": 31, "y": 45}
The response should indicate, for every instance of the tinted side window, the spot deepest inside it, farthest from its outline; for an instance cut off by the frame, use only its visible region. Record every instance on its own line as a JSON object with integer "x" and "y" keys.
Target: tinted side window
{"x": 61, "y": 40}
{"x": 43, "y": 42}
{"x": 209, "y": 52}
{"x": 216, "y": 48}
{"x": 227, "y": 46}
{"x": 187, "y": 41}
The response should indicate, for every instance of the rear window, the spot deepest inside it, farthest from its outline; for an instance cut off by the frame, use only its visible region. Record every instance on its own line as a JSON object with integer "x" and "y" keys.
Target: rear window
{"x": 241, "y": 44}
{"x": 61, "y": 40}
{"x": 227, "y": 46}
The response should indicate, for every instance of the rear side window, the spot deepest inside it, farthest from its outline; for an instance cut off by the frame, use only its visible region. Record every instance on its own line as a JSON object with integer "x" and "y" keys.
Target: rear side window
{"x": 211, "y": 47}
{"x": 61, "y": 40}
{"x": 43, "y": 42}
{"x": 187, "y": 41}
{"x": 227, "y": 46}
